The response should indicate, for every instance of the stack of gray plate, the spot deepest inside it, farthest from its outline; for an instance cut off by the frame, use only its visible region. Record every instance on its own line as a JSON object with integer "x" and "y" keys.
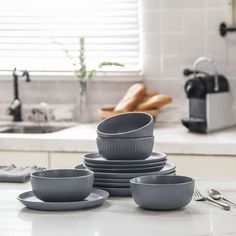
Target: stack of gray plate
{"x": 125, "y": 145}
{"x": 114, "y": 175}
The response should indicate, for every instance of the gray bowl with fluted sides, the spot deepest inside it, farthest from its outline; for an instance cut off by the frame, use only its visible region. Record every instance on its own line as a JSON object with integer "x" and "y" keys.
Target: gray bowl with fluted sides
{"x": 162, "y": 192}
{"x": 62, "y": 185}
{"x": 125, "y": 149}
{"x": 127, "y": 125}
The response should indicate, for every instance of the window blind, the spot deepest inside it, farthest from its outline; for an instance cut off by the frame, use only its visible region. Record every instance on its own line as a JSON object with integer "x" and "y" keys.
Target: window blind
{"x": 34, "y": 34}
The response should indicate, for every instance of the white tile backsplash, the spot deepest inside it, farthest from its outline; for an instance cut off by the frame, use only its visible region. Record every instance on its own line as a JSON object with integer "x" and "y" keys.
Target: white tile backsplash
{"x": 172, "y": 43}
{"x": 194, "y": 44}
{"x": 172, "y": 66}
{"x": 151, "y": 44}
{"x": 194, "y": 21}
{"x": 214, "y": 17}
{"x": 151, "y": 5}
{"x": 171, "y": 4}
{"x": 151, "y": 21}
{"x": 172, "y": 20}
{"x": 196, "y": 4}
{"x": 152, "y": 66}
{"x": 215, "y": 45}
{"x": 215, "y": 3}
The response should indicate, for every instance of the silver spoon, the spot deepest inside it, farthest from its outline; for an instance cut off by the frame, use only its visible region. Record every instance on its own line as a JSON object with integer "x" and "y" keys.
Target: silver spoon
{"x": 218, "y": 195}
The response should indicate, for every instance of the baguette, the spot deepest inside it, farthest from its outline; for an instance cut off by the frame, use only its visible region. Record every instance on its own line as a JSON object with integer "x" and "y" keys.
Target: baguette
{"x": 148, "y": 95}
{"x": 132, "y": 98}
{"x": 154, "y": 102}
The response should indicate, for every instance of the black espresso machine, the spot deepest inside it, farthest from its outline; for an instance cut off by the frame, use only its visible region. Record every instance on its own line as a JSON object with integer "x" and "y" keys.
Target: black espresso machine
{"x": 209, "y": 99}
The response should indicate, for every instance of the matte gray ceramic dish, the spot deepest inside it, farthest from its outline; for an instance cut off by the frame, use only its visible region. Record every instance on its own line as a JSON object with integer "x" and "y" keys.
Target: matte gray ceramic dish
{"x": 97, "y": 158}
{"x": 167, "y": 169}
{"x": 64, "y": 185}
{"x": 128, "y": 125}
{"x": 126, "y": 166}
{"x": 112, "y": 180}
{"x": 111, "y": 185}
{"x": 127, "y": 170}
{"x": 95, "y": 198}
{"x": 123, "y": 149}
{"x": 108, "y": 180}
{"x": 117, "y": 192}
{"x": 162, "y": 192}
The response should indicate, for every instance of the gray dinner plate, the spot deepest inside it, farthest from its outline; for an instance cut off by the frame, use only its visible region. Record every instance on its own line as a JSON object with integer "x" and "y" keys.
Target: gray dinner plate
{"x": 117, "y": 192}
{"x": 97, "y": 158}
{"x": 111, "y": 185}
{"x": 95, "y": 198}
{"x": 124, "y": 166}
{"x": 108, "y": 180}
{"x": 127, "y": 170}
{"x": 168, "y": 168}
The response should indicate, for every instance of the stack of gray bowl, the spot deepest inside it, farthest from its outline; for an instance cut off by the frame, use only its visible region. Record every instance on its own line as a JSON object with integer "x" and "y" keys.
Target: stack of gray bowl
{"x": 125, "y": 144}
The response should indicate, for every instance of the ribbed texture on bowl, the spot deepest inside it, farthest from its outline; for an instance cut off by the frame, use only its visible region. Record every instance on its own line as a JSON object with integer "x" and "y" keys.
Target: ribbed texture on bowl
{"x": 123, "y": 149}
{"x": 128, "y": 125}
{"x": 162, "y": 197}
{"x": 62, "y": 189}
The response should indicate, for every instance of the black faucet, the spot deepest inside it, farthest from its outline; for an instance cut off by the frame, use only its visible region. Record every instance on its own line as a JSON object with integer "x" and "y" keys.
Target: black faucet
{"x": 15, "y": 107}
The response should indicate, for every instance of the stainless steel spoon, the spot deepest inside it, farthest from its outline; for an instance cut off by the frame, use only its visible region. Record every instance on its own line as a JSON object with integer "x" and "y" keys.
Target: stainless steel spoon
{"x": 218, "y": 195}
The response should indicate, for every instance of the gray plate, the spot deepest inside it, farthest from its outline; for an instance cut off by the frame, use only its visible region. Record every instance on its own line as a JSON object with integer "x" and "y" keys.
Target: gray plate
{"x": 168, "y": 168}
{"x": 117, "y": 192}
{"x": 111, "y": 185}
{"x": 126, "y": 166}
{"x": 97, "y": 158}
{"x": 107, "y": 180}
{"x": 127, "y": 170}
{"x": 95, "y": 198}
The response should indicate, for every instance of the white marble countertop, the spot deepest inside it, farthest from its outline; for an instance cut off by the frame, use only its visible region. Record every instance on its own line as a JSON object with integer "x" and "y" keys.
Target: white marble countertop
{"x": 118, "y": 216}
{"x": 169, "y": 138}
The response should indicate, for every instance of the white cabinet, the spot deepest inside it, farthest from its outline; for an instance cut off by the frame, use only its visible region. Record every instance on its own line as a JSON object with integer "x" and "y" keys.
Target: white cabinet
{"x": 216, "y": 167}
{"x": 24, "y": 158}
{"x": 65, "y": 160}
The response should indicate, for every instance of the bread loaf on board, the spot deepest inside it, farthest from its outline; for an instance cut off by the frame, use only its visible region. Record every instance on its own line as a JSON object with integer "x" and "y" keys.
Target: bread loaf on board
{"x": 132, "y": 98}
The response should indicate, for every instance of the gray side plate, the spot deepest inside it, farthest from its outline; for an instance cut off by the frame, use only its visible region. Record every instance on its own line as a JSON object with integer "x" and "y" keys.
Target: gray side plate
{"x": 95, "y": 198}
{"x": 97, "y": 158}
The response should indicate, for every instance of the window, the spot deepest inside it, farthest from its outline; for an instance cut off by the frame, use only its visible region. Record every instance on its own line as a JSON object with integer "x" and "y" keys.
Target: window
{"x": 35, "y": 33}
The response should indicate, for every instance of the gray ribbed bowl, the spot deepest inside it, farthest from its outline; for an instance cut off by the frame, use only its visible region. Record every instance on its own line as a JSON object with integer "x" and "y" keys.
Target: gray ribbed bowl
{"x": 125, "y": 149}
{"x": 64, "y": 185}
{"x": 162, "y": 192}
{"x": 127, "y": 125}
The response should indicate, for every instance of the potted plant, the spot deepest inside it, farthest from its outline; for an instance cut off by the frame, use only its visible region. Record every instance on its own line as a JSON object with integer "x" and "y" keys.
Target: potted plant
{"x": 84, "y": 75}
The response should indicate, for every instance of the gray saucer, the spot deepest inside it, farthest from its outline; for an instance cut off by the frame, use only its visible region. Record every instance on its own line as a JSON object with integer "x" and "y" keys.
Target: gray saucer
{"x": 95, "y": 198}
{"x": 168, "y": 168}
{"x": 97, "y": 158}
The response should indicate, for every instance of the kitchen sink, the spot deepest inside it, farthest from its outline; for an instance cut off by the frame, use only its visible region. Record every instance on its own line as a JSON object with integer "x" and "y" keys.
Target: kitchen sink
{"x": 31, "y": 129}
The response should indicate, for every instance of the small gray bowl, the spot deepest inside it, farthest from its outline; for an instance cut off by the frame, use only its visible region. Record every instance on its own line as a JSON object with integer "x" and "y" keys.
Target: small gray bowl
{"x": 127, "y": 125}
{"x": 162, "y": 192}
{"x": 125, "y": 149}
{"x": 62, "y": 185}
